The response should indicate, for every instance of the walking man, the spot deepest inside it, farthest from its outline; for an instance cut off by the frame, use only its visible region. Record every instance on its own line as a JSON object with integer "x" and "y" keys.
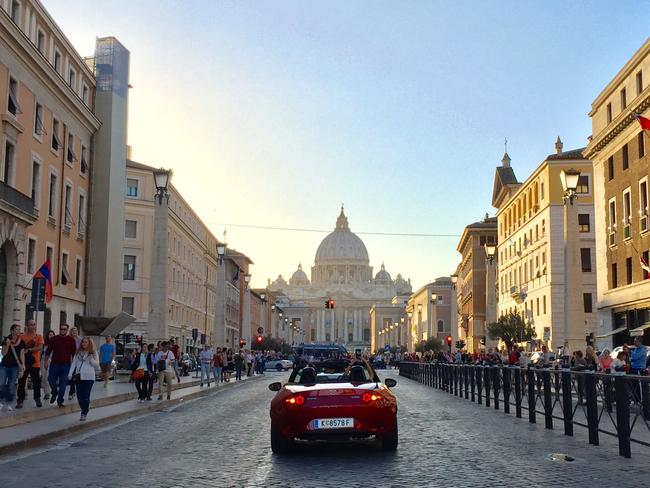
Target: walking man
{"x": 239, "y": 364}
{"x": 106, "y": 358}
{"x": 33, "y": 345}
{"x": 165, "y": 367}
{"x": 62, "y": 349}
{"x": 206, "y": 357}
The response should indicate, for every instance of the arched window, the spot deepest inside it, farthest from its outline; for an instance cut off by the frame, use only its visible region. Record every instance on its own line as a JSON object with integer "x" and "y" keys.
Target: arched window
{"x": 441, "y": 326}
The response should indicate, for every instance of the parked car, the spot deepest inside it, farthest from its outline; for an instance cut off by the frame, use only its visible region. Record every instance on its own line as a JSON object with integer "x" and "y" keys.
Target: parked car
{"x": 279, "y": 364}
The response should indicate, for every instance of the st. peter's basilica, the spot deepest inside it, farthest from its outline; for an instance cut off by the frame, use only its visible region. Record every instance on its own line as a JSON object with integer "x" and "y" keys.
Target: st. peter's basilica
{"x": 341, "y": 272}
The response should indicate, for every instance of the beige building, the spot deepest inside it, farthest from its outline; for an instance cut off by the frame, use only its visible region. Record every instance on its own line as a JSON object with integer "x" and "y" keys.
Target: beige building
{"x": 431, "y": 317}
{"x": 191, "y": 257}
{"x": 530, "y": 252}
{"x": 619, "y": 150}
{"x": 47, "y": 102}
{"x": 471, "y": 285}
{"x": 389, "y": 324}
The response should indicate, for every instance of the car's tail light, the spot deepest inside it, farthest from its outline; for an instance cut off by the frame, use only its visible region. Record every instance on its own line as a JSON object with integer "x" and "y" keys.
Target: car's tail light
{"x": 370, "y": 397}
{"x": 295, "y": 401}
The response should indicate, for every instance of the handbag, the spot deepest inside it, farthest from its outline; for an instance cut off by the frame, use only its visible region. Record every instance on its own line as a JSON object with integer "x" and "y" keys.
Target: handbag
{"x": 76, "y": 377}
{"x": 161, "y": 364}
{"x": 138, "y": 374}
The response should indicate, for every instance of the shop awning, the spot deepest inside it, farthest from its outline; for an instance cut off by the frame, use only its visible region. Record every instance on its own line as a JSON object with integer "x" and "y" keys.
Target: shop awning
{"x": 639, "y": 330}
{"x": 611, "y": 333}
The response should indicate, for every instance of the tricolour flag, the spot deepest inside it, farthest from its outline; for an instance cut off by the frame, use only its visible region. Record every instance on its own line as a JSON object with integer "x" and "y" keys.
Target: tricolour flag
{"x": 45, "y": 271}
{"x": 643, "y": 121}
{"x": 644, "y": 265}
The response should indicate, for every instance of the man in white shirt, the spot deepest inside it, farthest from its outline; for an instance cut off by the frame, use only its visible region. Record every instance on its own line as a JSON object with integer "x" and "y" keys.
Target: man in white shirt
{"x": 165, "y": 366}
{"x": 206, "y": 357}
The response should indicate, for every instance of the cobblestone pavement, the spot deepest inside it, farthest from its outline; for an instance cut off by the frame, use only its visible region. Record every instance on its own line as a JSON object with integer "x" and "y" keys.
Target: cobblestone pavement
{"x": 223, "y": 440}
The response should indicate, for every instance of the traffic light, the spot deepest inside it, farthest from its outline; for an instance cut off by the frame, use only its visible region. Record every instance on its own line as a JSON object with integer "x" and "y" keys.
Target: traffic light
{"x": 449, "y": 340}
{"x": 329, "y": 303}
{"x": 258, "y": 339}
{"x": 242, "y": 342}
{"x": 460, "y": 345}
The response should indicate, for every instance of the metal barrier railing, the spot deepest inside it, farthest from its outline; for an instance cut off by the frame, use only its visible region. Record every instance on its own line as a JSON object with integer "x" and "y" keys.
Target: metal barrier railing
{"x": 610, "y": 404}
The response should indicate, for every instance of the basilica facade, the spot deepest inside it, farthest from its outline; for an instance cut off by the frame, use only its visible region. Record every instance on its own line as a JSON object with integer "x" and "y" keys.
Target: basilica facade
{"x": 341, "y": 273}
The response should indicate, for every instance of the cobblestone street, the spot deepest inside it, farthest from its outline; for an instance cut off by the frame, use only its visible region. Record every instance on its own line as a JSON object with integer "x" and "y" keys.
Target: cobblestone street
{"x": 223, "y": 440}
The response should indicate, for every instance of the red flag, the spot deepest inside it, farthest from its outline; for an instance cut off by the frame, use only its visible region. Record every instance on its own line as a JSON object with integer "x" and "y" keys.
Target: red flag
{"x": 644, "y": 265}
{"x": 45, "y": 271}
{"x": 644, "y": 121}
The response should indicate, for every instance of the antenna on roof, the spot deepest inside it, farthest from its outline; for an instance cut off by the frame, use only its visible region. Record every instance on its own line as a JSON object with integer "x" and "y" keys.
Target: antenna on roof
{"x": 505, "y": 143}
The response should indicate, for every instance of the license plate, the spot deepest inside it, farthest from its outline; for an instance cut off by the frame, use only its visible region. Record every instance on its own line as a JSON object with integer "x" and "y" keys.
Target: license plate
{"x": 345, "y": 423}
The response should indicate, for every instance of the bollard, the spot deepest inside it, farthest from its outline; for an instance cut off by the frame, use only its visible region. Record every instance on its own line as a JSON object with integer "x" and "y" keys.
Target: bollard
{"x": 486, "y": 378}
{"x": 645, "y": 399}
{"x": 456, "y": 378}
{"x": 567, "y": 403}
{"x": 496, "y": 372}
{"x": 506, "y": 390}
{"x": 479, "y": 384}
{"x": 530, "y": 379}
{"x": 592, "y": 407}
{"x": 623, "y": 416}
{"x": 548, "y": 399}
{"x": 608, "y": 392}
{"x": 466, "y": 370}
{"x": 472, "y": 376}
{"x": 518, "y": 392}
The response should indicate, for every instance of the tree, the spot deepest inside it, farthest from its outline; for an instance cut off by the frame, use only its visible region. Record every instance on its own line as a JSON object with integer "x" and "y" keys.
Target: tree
{"x": 432, "y": 344}
{"x": 511, "y": 329}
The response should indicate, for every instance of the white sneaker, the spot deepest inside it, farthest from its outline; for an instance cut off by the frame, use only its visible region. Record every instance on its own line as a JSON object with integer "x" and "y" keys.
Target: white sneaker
{"x": 8, "y": 408}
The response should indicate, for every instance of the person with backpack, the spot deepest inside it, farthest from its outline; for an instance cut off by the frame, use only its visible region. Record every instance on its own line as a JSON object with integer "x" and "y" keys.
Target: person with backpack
{"x": 165, "y": 368}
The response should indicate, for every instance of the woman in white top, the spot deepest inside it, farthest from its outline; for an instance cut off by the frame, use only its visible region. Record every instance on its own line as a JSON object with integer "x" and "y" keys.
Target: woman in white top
{"x": 82, "y": 372}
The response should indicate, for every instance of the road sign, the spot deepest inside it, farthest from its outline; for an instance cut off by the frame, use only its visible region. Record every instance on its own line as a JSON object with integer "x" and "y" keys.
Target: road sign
{"x": 387, "y": 348}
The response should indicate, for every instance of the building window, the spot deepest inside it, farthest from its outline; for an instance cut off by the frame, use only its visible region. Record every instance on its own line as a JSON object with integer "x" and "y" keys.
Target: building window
{"x": 12, "y": 98}
{"x": 643, "y": 204}
{"x": 15, "y": 11}
{"x": 583, "y": 222}
{"x": 49, "y": 251}
{"x": 67, "y": 218}
{"x": 626, "y": 158}
{"x": 639, "y": 83}
{"x": 628, "y": 271}
{"x": 128, "y": 305}
{"x": 131, "y": 187}
{"x": 585, "y": 259}
{"x": 40, "y": 41}
{"x": 544, "y": 305}
{"x": 9, "y": 163}
{"x": 56, "y": 141}
{"x": 81, "y": 216}
{"x": 366, "y": 335}
{"x": 31, "y": 256}
{"x": 610, "y": 167}
{"x": 84, "y": 160}
{"x": 627, "y": 214}
{"x": 128, "y": 272}
{"x": 623, "y": 99}
{"x": 84, "y": 94}
{"x": 39, "y": 127}
{"x": 65, "y": 276}
{"x": 614, "y": 276}
{"x": 72, "y": 78}
{"x": 57, "y": 61}
{"x": 641, "y": 144}
{"x": 541, "y": 191}
{"x": 537, "y": 306}
{"x": 441, "y": 326}
{"x": 130, "y": 229}
{"x": 63, "y": 317}
{"x": 612, "y": 222}
{"x": 583, "y": 184}
{"x": 77, "y": 274}
{"x": 609, "y": 113}
{"x": 70, "y": 156}
{"x": 51, "y": 203}
{"x": 587, "y": 300}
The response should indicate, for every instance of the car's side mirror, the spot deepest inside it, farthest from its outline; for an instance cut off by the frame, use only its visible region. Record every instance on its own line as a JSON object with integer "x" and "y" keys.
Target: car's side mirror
{"x": 277, "y": 386}
{"x": 390, "y": 382}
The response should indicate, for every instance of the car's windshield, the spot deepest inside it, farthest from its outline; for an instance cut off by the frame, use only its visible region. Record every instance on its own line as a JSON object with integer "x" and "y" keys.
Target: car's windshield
{"x": 334, "y": 371}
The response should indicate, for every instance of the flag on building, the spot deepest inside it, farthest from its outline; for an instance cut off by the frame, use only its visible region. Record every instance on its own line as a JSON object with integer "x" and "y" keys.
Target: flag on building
{"x": 45, "y": 271}
{"x": 644, "y": 265}
{"x": 235, "y": 277}
{"x": 643, "y": 121}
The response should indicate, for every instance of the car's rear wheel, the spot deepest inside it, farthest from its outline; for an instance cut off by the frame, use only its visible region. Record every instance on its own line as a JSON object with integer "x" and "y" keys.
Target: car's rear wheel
{"x": 279, "y": 367}
{"x": 280, "y": 444}
{"x": 389, "y": 442}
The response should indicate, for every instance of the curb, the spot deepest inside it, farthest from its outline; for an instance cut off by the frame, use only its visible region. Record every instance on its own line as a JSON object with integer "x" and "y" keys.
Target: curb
{"x": 78, "y": 428}
{"x": 46, "y": 413}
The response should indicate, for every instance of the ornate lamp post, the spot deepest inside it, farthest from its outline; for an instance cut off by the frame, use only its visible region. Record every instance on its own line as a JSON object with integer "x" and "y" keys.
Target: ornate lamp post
{"x": 158, "y": 317}
{"x": 246, "y": 333}
{"x": 219, "y": 332}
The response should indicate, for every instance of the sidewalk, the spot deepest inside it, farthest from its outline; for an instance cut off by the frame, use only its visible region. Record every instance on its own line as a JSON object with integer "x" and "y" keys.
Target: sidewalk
{"x": 105, "y": 408}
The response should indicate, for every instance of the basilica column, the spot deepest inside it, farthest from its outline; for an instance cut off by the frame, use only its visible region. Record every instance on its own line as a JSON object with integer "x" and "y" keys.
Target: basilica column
{"x": 345, "y": 326}
{"x": 332, "y": 321}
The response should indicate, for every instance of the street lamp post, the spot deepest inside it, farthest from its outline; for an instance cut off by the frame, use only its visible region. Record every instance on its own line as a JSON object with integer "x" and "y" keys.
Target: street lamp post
{"x": 490, "y": 291}
{"x": 158, "y": 317}
{"x": 572, "y": 276}
{"x": 434, "y": 315}
{"x": 411, "y": 342}
{"x": 220, "y": 338}
{"x": 454, "y": 305}
{"x": 246, "y": 333}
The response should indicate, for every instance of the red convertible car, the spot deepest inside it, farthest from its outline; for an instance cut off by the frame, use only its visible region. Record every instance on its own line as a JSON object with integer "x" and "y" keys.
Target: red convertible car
{"x": 333, "y": 400}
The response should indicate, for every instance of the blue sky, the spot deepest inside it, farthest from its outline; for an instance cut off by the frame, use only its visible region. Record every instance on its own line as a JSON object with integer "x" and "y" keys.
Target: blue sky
{"x": 274, "y": 113}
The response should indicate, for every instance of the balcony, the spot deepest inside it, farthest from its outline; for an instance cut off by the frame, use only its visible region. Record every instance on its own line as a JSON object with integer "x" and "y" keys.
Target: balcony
{"x": 16, "y": 203}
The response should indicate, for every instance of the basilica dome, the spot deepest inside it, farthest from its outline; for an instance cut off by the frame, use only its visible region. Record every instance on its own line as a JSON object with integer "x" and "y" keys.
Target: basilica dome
{"x": 299, "y": 277}
{"x": 342, "y": 246}
{"x": 383, "y": 276}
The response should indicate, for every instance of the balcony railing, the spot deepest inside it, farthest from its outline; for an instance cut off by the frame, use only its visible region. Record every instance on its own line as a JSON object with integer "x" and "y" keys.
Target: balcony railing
{"x": 16, "y": 199}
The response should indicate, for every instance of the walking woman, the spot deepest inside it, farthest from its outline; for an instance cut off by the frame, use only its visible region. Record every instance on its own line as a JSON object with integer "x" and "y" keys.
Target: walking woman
{"x": 82, "y": 372}
{"x": 45, "y": 364}
{"x": 12, "y": 364}
{"x": 74, "y": 333}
